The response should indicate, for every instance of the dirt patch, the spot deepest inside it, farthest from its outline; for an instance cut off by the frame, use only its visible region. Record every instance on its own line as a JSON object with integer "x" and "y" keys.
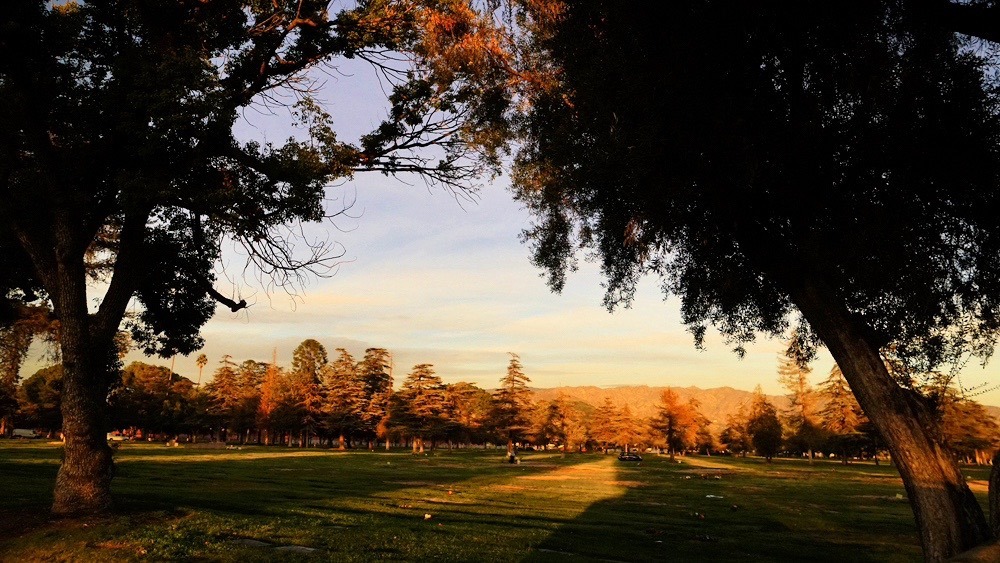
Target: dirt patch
{"x": 629, "y": 484}
{"x": 508, "y": 488}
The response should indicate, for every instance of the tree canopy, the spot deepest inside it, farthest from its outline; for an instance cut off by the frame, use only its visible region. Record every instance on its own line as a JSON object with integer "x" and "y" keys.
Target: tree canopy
{"x": 120, "y": 171}
{"x": 816, "y": 166}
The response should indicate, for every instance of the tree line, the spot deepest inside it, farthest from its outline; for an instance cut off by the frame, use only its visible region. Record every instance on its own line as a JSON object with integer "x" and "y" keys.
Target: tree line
{"x": 346, "y": 402}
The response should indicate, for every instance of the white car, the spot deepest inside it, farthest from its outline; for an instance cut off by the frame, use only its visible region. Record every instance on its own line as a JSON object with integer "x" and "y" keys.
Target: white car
{"x": 22, "y": 433}
{"x": 116, "y": 437}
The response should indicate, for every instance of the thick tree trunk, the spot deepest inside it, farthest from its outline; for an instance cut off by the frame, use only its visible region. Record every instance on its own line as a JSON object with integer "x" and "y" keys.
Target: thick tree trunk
{"x": 948, "y": 517}
{"x": 994, "y": 496}
{"x": 83, "y": 484}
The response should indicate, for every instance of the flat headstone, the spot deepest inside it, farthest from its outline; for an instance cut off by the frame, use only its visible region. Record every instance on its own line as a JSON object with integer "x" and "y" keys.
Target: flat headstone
{"x": 295, "y": 549}
{"x": 251, "y": 543}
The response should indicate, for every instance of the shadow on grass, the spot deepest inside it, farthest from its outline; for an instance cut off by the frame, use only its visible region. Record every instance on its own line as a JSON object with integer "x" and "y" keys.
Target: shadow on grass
{"x": 744, "y": 511}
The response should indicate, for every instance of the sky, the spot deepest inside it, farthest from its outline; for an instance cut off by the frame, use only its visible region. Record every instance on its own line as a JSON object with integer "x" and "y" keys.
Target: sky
{"x": 445, "y": 280}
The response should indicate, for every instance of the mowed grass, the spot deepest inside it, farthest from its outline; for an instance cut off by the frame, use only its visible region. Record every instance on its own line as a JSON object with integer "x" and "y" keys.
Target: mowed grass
{"x": 201, "y": 503}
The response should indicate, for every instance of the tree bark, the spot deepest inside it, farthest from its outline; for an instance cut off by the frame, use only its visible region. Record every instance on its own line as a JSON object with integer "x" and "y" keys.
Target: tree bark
{"x": 83, "y": 484}
{"x": 994, "y": 496}
{"x": 948, "y": 516}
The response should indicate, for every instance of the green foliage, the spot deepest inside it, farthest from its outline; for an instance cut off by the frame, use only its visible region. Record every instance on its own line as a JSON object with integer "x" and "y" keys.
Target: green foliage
{"x": 763, "y": 426}
{"x": 512, "y": 403}
{"x": 40, "y": 398}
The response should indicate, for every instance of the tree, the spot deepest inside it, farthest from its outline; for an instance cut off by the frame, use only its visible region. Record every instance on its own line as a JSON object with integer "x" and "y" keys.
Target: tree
{"x": 512, "y": 403}
{"x": 602, "y": 425}
{"x": 417, "y": 410}
{"x": 763, "y": 426}
{"x": 375, "y": 371}
{"x": 822, "y": 163}
{"x": 800, "y": 417}
{"x": 629, "y": 430}
{"x": 343, "y": 397}
{"x": 968, "y": 428}
{"x": 305, "y": 385}
{"x": 201, "y": 362}
{"x": 271, "y": 395}
{"x": 736, "y": 436}
{"x": 117, "y": 156}
{"x": 39, "y": 398}
{"x": 676, "y": 421}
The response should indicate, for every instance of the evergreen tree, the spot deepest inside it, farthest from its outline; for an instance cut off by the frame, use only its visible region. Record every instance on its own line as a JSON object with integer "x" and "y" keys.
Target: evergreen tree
{"x": 763, "y": 425}
{"x": 841, "y": 413}
{"x": 603, "y": 425}
{"x": 417, "y": 410}
{"x": 676, "y": 421}
{"x": 343, "y": 398}
{"x": 736, "y": 435}
{"x": 512, "y": 405}
{"x": 801, "y": 417}
{"x": 304, "y": 382}
{"x": 375, "y": 373}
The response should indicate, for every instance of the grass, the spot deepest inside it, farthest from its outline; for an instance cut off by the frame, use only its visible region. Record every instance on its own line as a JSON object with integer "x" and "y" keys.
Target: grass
{"x": 200, "y": 503}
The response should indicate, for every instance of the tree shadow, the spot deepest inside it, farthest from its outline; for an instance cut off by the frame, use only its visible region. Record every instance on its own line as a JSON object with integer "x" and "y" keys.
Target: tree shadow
{"x": 682, "y": 512}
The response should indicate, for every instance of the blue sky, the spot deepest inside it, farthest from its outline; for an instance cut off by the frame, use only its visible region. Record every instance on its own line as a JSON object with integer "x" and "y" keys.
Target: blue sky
{"x": 443, "y": 280}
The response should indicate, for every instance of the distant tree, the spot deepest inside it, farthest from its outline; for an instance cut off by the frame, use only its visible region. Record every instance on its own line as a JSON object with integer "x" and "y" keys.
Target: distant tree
{"x": 151, "y": 399}
{"x": 676, "y": 421}
{"x": 305, "y": 386}
{"x": 224, "y": 391}
{"x": 272, "y": 393}
{"x": 16, "y": 337}
{"x": 704, "y": 438}
{"x": 800, "y": 418}
{"x": 512, "y": 405}
{"x": 469, "y": 409}
{"x": 763, "y": 426}
{"x": 969, "y": 430}
{"x": 201, "y": 362}
{"x": 602, "y": 424}
{"x": 374, "y": 370}
{"x": 558, "y": 422}
{"x": 736, "y": 434}
{"x": 39, "y": 398}
{"x": 343, "y": 398}
{"x": 841, "y": 413}
{"x": 417, "y": 410}
{"x": 629, "y": 429}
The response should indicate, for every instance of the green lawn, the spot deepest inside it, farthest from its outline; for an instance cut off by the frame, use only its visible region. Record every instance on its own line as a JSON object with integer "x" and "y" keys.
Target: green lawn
{"x": 201, "y": 503}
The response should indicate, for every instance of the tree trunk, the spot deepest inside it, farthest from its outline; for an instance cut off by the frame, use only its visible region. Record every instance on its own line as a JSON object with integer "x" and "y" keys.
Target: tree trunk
{"x": 994, "y": 496}
{"x": 948, "y": 517}
{"x": 83, "y": 484}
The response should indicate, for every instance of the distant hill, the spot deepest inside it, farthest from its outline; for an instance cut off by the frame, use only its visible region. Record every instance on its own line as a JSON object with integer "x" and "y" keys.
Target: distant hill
{"x": 716, "y": 403}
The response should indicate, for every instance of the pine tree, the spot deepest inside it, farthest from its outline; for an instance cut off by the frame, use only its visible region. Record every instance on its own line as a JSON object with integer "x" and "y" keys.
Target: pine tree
{"x": 417, "y": 411}
{"x": 763, "y": 425}
{"x": 736, "y": 436}
{"x": 342, "y": 398}
{"x": 375, "y": 374}
{"x": 675, "y": 421}
{"x": 603, "y": 425}
{"x": 841, "y": 415}
{"x": 800, "y": 417}
{"x": 308, "y": 361}
{"x": 513, "y": 405}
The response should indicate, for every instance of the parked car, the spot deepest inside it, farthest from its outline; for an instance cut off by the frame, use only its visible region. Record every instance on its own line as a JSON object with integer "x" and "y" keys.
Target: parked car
{"x": 25, "y": 434}
{"x": 116, "y": 437}
{"x": 630, "y": 456}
